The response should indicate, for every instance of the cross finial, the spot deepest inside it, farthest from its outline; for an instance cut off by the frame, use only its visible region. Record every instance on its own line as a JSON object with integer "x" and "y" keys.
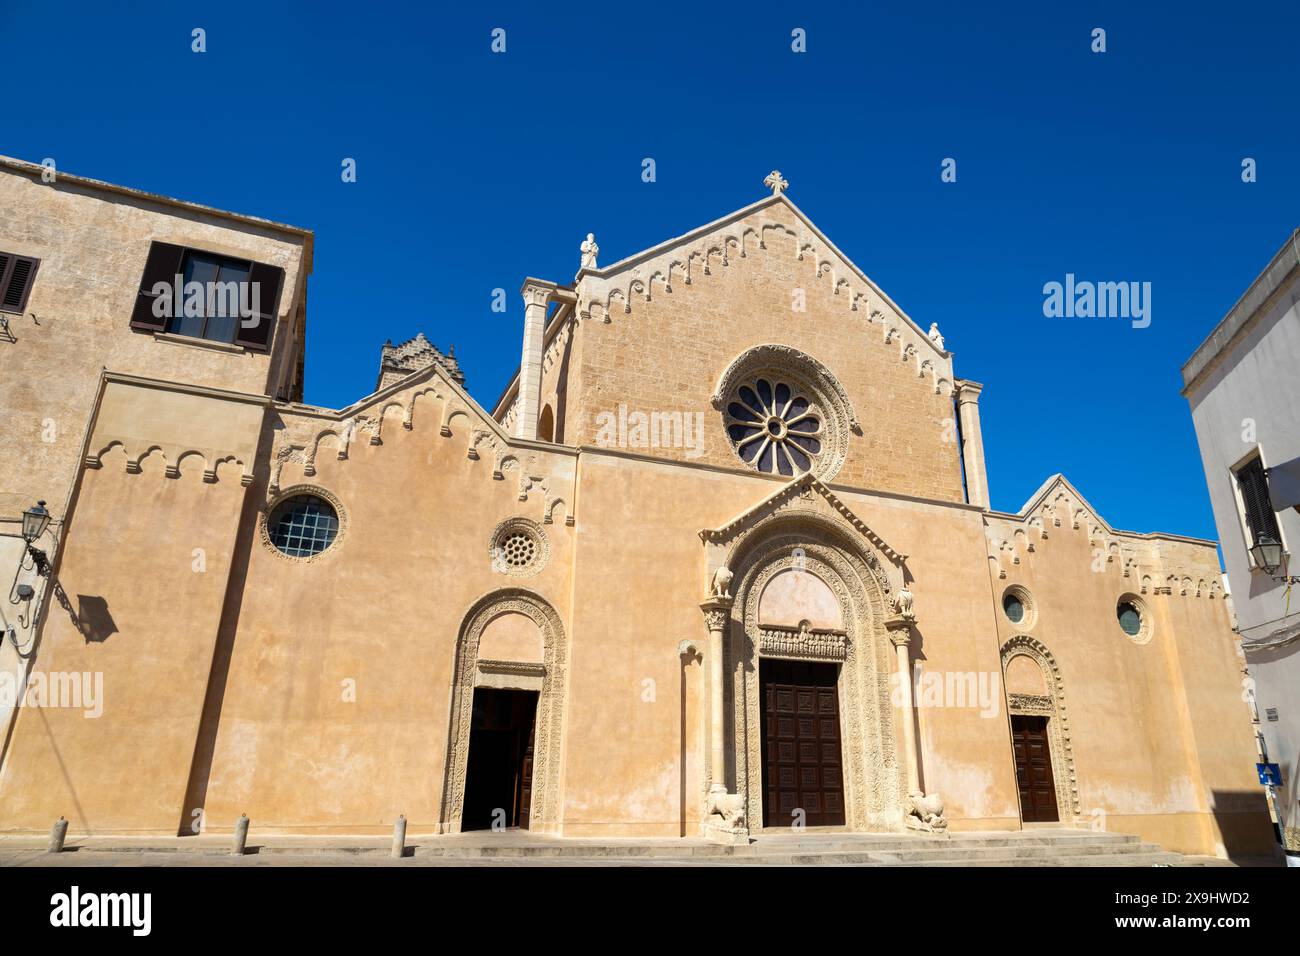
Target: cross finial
{"x": 775, "y": 182}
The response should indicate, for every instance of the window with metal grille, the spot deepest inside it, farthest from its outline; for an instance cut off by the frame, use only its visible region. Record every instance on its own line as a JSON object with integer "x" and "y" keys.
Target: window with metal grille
{"x": 17, "y": 273}
{"x": 1255, "y": 501}
{"x": 303, "y": 525}
{"x": 1130, "y": 619}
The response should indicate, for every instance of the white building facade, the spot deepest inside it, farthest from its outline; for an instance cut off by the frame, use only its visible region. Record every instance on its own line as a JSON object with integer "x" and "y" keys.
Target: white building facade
{"x": 1243, "y": 385}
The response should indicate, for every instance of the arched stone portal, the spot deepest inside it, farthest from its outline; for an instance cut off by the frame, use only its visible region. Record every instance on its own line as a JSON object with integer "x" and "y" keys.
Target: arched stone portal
{"x": 842, "y": 623}
{"x": 1035, "y": 689}
{"x": 501, "y": 621}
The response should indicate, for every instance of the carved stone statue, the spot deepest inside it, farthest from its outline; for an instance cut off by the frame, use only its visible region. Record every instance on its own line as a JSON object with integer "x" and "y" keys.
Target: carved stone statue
{"x": 925, "y": 812}
{"x": 589, "y": 251}
{"x": 902, "y": 604}
{"x": 730, "y": 807}
{"x": 935, "y": 337}
{"x": 721, "y": 583}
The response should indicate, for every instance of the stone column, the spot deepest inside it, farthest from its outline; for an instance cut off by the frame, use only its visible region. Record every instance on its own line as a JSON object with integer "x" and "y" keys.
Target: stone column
{"x": 900, "y": 635}
{"x": 536, "y": 293}
{"x": 717, "y": 611}
{"x": 972, "y": 443}
{"x": 724, "y": 812}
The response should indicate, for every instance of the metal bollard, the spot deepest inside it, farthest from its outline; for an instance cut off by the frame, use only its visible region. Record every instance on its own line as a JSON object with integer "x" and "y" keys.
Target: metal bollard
{"x": 399, "y": 837}
{"x": 241, "y": 835}
{"x": 58, "y": 833}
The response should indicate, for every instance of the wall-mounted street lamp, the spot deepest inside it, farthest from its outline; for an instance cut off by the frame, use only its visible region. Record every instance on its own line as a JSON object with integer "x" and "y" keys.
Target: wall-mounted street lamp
{"x": 36, "y": 521}
{"x": 1268, "y": 556}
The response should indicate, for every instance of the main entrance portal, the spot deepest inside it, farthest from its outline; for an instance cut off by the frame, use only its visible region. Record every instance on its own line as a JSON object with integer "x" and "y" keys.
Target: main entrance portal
{"x": 499, "y": 781}
{"x": 802, "y": 762}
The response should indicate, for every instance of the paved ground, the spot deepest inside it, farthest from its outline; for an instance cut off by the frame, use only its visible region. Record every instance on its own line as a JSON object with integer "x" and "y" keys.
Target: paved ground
{"x": 1037, "y": 847}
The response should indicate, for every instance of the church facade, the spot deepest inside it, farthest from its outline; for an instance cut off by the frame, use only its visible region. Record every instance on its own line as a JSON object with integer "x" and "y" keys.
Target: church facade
{"x": 720, "y": 559}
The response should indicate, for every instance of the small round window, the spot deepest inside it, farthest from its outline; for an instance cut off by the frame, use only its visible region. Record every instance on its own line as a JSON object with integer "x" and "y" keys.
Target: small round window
{"x": 303, "y": 525}
{"x": 1019, "y": 607}
{"x": 1134, "y": 618}
{"x": 518, "y": 547}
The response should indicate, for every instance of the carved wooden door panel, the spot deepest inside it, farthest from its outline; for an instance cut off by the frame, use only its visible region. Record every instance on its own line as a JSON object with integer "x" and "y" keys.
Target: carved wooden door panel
{"x": 1034, "y": 769}
{"x": 526, "y": 771}
{"x": 802, "y": 761}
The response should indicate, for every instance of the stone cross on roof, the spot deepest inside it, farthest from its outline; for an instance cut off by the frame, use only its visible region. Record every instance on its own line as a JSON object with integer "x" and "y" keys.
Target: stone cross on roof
{"x": 775, "y": 182}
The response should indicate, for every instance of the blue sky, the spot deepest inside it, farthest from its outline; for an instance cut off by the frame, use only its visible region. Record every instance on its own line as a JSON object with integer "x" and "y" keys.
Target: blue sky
{"x": 476, "y": 169}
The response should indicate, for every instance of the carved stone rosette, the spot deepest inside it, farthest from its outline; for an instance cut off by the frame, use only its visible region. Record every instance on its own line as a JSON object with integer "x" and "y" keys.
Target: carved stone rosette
{"x": 808, "y": 377}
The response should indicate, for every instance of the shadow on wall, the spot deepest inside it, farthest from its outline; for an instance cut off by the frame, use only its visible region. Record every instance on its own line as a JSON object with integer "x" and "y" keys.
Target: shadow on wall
{"x": 91, "y": 617}
{"x": 1242, "y": 816}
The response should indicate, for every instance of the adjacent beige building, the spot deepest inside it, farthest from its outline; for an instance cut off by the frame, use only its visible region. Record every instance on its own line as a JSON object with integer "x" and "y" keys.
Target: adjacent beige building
{"x": 720, "y": 559}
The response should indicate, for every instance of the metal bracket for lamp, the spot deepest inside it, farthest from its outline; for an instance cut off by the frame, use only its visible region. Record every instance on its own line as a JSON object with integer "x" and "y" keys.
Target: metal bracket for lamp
{"x": 35, "y": 522}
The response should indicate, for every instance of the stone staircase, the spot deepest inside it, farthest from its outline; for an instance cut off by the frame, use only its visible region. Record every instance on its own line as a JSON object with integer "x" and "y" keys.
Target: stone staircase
{"x": 1035, "y": 847}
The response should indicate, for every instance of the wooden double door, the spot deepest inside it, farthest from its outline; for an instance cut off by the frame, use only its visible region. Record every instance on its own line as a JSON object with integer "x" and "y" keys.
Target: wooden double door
{"x": 1033, "y": 752}
{"x": 803, "y": 766}
{"x": 499, "y": 775}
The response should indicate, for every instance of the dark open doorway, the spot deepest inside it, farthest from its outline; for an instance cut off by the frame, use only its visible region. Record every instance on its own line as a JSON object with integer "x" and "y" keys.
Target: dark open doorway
{"x": 499, "y": 777}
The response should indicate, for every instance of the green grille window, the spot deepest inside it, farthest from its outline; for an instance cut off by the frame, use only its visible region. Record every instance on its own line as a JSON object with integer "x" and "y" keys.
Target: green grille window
{"x": 1129, "y": 619}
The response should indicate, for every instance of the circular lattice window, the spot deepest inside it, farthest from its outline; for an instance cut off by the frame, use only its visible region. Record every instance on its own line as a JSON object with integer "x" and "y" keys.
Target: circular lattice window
{"x": 785, "y": 413}
{"x": 303, "y": 522}
{"x": 519, "y": 547}
{"x": 775, "y": 427}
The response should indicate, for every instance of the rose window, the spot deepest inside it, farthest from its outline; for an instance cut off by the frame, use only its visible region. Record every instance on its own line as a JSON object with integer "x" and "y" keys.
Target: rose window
{"x": 774, "y": 427}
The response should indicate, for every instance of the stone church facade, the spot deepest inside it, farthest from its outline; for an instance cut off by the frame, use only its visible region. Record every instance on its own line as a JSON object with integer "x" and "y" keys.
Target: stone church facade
{"x": 720, "y": 559}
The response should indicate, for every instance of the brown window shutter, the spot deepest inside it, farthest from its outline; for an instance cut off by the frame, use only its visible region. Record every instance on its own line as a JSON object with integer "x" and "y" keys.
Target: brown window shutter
{"x": 1258, "y": 505}
{"x": 17, "y": 273}
{"x": 163, "y": 265}
{"x": 257, "y": 335}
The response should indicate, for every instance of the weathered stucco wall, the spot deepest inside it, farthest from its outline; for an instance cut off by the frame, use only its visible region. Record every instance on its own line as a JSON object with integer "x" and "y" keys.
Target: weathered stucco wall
{"x": 92, "y": 244}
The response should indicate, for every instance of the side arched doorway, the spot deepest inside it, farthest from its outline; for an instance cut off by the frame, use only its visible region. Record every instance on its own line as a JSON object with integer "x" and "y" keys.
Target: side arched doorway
{"x": 1046, "y": 779}
{"x": 503, "y": 743}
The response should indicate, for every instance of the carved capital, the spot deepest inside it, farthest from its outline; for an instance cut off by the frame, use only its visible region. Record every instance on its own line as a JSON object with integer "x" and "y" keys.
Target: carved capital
{"x": 968, "y": 392}
{"x": 900, "y": 631}
{"x": 536, "y": 292}
{"x": 717, "y": 611}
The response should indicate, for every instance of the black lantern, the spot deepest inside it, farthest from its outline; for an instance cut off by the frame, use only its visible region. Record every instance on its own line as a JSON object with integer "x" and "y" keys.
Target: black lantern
{"x": 35, "y": 520}
{"x": 1267, "y": 554}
